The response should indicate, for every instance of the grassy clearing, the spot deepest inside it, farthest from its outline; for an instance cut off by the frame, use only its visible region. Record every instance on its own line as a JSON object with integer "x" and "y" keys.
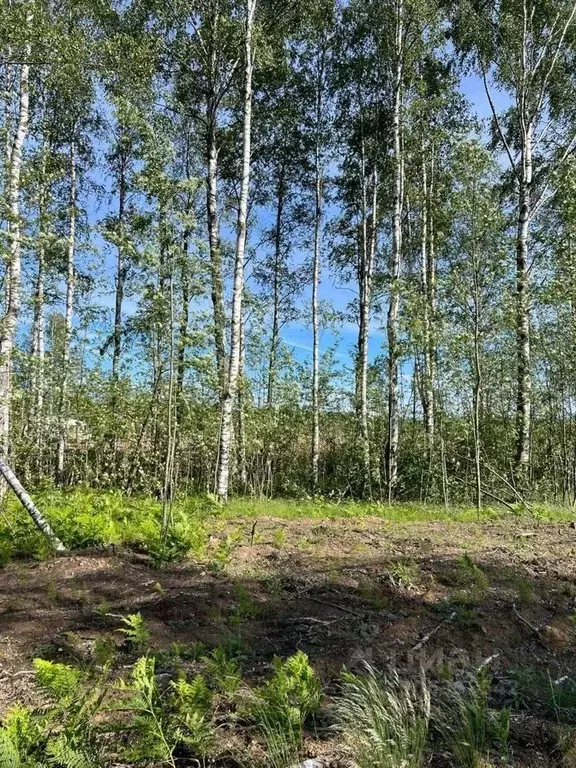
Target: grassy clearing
{"x": 184, "y": 651}
{"x": 85, "y": 518}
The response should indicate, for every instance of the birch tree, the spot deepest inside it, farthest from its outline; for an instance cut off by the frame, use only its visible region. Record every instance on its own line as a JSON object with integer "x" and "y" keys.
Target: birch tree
{"x": 13, "y": 261}
{"x": 523, "y": 47}
{"x": 230, "y": 391}
{"x": 396, "y": 253}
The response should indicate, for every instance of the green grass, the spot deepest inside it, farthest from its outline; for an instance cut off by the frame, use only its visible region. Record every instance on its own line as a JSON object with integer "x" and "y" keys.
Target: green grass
{"x": 85, "y": 518}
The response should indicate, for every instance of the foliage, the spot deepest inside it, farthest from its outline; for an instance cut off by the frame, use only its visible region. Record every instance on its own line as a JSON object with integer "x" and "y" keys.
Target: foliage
{"x": 135, "y": 631}
{"x": 291, "y": 695}
{"x": 383, "y": 721}
{"x": 473, "y": 729}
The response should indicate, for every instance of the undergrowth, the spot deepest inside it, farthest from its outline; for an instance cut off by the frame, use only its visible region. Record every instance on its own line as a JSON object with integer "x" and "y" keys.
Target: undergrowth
{"x": 193, "y": 706}
{"x": 86, "y": 518}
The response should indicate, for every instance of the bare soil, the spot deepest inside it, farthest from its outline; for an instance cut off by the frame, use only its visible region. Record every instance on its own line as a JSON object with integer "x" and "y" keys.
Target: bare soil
{"x": 342, "y": 590}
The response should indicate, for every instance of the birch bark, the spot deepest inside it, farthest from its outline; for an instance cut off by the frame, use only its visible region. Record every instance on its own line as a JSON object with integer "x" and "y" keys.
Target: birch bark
{"x": 230, "y": 391}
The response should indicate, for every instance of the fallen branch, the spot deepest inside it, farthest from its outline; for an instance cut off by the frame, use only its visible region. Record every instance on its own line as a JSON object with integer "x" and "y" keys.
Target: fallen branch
{"x": 535, "y": 631}
{"x": 38, "y": 518}
{"x": 430, "y": 634}
{"x": 333, "y": 605}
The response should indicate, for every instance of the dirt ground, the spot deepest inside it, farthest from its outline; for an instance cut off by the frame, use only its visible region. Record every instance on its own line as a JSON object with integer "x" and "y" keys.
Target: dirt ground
{"x": 343, "y": 591}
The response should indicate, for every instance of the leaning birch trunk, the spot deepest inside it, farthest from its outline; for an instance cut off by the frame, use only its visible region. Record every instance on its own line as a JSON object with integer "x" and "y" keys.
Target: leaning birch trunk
{"x": 70, "y": 280}
{"x": 230, "y": 391}
{"x": 8, "y": 325}
{"x": 39, "y": 520}
{"x": 393, "y": 309}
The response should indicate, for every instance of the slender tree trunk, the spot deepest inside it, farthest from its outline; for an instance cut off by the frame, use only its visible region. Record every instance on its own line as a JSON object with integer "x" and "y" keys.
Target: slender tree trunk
{"x": 276, "y": 290}
{"x": 38, "y": 320}
{"x": 70, "y": 285}
{"x": 217, "y": 291}
{"x": 476, "y": 394}
{"x": 427, "y": 381}
{"x": 223, "y": 472}
{"x": 172, "y": 425}
{"x": 241, "y": 429}
{"x": 316, "y": 283}
{"x": 395, "y": 266}
{"x": 13, "y": 288}
{"x": 120, "y": 281}
{"x": 524, "y": 401}
{"x": 183, "y": 327}
{"x": 367, "y": 253}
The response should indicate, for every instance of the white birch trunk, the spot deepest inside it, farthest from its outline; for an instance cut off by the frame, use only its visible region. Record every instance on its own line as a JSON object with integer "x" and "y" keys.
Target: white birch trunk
{"x": 10, "y": 319}
{"x": 365, "y": 271}
{"x": 229, "y": 398}
{"x": 70, "y": 284}
{"x": 38, "y": 322}
{"x": 395, "y": 266}
{"x": 316, "y": 285}
{"x": 524, "y": 402}
{"x": 38, "y": 518}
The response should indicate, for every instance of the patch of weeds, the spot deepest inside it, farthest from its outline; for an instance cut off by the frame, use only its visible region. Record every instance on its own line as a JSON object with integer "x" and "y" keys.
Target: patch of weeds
{"x": 234, "y": 647}
{"x": 471, "y": 575}
{"x": 282, "y": 705}
{"x": 246, "y": 607}
{"x": 374, "y": 597}
{"x": 221, "y": 556}
{"x": 473, "y": 730}
{"x": 192, "y": 652}
{"x": 406, "y": 573}
{"x": 6, "y": 552}
{"x": 562, "y": 699}
{"x": 291, "y": 695}
{"x": 104, "y": 651}
{"x": 459, "y": 609}
{"x": 52, "y": 593}
{"x": 565, "y": 737}
{"x": 192, "y": 706}
{"x": 61, "y": 732}
{"x": 526, "y": 688}
{"x": 530, "y": 688}
{"x": 223, "y": 671}
{"x": 279, "y": 538}
{"x": 156, "y": 739}
{"x": 384, "y": 721}
{"x": 273, "y": 584}
{"x": 214, "y": 613}
{"x": 103, "y": 609}
{"x": 524, "y": 590}
{"x": 305, "y": 544}
{"x": 135, "y": 631}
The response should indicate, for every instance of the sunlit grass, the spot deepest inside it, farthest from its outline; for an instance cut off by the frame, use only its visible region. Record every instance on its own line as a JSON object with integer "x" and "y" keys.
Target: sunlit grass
{"x": 86, "y": 518}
